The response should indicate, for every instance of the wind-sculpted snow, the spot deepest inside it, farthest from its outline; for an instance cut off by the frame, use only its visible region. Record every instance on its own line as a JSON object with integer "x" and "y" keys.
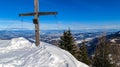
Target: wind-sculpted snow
{"x": 19, "y": 52}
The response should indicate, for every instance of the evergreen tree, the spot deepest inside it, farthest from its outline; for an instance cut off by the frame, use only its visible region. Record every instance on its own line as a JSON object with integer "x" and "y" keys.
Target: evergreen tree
{"x": 84, "y": 54}
{"x": 68, "y": 43}
{"x": 101, "y": 58}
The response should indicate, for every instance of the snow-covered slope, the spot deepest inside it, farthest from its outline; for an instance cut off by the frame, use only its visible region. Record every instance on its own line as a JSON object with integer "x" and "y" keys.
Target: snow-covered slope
{"x": 19, "y": 52}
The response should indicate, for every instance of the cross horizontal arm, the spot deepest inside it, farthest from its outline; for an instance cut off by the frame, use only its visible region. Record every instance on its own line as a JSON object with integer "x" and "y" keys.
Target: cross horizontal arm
{"x": 39, "y": 13}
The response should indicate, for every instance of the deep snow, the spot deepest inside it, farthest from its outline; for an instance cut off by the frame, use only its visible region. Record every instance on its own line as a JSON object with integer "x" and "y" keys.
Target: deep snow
{"x": 19, "y": 52}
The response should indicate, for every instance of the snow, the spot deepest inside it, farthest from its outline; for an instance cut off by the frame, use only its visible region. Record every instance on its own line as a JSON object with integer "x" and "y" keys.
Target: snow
{"x": 113, "y": 40}
{"x": 86, "y": 40}
{"x": 19, "y": 52}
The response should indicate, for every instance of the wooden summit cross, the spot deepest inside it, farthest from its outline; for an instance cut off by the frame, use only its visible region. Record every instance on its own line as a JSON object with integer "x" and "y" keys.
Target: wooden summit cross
{"x": 36, "y": 15}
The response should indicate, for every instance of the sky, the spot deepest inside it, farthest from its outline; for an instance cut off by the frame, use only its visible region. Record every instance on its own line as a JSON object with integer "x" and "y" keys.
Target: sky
{"x": 76, "y": 14}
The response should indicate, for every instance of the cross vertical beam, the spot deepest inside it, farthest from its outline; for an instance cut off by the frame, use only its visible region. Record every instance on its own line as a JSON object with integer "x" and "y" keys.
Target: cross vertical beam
{"x": 36, "y": 8}
{"x": 37, "y": 36}
{"x": 36, "y": 15}
{"x": 36, "y": 22}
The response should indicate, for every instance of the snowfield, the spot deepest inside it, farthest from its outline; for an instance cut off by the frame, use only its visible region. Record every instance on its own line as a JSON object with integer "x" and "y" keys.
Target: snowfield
{"x": 19, "y": 52}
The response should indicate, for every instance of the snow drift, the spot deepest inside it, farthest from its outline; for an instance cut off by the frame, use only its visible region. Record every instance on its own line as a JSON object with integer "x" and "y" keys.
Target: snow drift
{"x": 19, "y": 52}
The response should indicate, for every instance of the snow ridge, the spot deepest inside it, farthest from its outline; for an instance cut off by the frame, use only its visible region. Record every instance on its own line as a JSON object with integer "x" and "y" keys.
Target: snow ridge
{"x": 21, "y": 53}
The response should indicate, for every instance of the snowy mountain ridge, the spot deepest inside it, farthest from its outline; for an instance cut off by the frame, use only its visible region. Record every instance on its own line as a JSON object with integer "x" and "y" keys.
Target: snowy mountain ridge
{"x": 19, "y": 52}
